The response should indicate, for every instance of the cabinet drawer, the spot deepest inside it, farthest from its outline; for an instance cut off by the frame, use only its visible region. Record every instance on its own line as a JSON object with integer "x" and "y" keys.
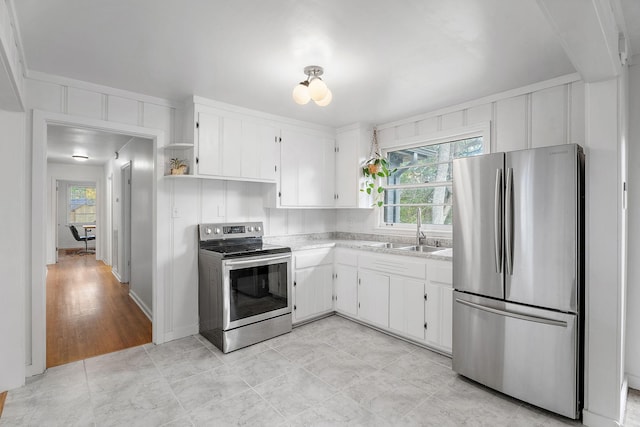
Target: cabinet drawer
{"x": 440, "y": 272}
{"x": 313, "y": 257}
{"x": 346, "y": 257}
{"x": 394, "y": 265}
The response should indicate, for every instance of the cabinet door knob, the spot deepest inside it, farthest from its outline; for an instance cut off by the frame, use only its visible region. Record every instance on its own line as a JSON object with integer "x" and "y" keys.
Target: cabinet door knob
{"x": 425, "y": 325}
{"x": 425, "y": 297}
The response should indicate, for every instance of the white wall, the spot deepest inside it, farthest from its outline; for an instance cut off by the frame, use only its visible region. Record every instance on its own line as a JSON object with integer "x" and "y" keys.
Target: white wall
{"x": 604, "y": 279}
{"x": 139, "y": 152}
{"x": 14, "y": 217}
{"x": 71, "y": 172}
{"x": 633, "y": 288}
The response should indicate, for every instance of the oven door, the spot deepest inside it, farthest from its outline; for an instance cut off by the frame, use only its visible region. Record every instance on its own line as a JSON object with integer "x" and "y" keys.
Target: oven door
{"x": 255, "y": 289}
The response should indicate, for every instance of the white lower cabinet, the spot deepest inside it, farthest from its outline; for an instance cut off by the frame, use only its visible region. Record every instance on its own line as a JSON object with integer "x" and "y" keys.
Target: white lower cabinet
{"x": 407, "y": 296}
{"x": 406, "y": 307}
{"x": 346, "y": 280}
{"x": 373, "y": 297}
{"x": 313, "y": 283}
{"x": 438, "y": 304}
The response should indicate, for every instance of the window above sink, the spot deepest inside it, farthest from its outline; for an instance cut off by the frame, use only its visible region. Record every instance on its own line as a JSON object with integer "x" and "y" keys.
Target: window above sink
{"x": 423, "y": 178}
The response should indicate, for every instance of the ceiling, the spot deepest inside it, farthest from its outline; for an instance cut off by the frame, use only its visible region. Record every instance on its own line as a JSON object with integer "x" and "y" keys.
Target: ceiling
{"x": 383, "y": 60}
{"x": 64, "y": 141}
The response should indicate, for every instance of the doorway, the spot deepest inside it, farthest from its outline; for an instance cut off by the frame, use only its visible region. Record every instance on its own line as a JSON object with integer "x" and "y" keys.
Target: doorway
{"x": 41, "y": 224}
{"x": 76, "y": 205}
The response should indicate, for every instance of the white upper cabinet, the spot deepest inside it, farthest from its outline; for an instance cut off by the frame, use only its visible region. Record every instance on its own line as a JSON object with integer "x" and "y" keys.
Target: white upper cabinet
{"x": 352, "y": 146}
{"x": 307, "y": 168}
{"x": 236, "y": 147}
{"x": 209, "y": 144}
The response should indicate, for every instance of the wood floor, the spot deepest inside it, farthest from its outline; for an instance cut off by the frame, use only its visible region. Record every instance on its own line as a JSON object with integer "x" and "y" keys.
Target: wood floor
{"x": 89, "y": 312}
{"x": 3, "y": 396}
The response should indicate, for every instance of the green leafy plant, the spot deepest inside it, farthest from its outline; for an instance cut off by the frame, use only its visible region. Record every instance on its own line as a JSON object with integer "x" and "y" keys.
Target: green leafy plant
{"x": 373, "y": 170}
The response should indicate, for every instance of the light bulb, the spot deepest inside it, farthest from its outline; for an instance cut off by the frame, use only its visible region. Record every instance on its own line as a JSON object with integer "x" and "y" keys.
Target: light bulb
{"x": 326, "y": 100}
{"x": 301, "y": 93}
{"x": 317, "y": 89}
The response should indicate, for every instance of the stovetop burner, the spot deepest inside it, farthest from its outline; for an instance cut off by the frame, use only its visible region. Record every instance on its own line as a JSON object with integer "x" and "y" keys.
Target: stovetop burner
{"x": 236, "y": 240}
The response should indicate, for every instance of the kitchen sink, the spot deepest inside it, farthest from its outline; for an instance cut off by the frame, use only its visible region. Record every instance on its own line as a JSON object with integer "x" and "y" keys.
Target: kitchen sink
{"x": 390, "y": 245}
{"x": 421, "y": 248}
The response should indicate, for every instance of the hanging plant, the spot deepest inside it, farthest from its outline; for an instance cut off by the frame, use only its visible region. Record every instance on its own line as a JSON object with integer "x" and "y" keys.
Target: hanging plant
{"x": 375, "y": 169}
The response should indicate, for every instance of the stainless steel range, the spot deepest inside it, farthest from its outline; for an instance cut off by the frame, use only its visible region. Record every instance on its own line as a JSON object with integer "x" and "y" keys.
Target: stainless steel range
{"x": 245, "y": 285}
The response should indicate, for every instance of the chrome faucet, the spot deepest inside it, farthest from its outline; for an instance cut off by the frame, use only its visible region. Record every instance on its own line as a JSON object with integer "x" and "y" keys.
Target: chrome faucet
{"x": 419, "y": 234}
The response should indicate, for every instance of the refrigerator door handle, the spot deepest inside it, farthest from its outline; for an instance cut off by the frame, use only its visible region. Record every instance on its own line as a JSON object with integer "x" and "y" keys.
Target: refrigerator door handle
{"x": 497, "y": 221}
{"x": 508, "y": 214}
{"x": 536, "y": 319}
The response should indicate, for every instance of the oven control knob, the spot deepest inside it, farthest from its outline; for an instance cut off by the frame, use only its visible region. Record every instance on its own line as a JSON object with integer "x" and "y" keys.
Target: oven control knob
{"x": 250, "y": 229}
{"x": 207, "y": 231}
{"x": 258, "y": 229}
{"x": 217, "y": 231}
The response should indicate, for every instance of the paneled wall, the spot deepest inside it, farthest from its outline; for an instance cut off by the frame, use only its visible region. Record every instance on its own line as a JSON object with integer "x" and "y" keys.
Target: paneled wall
{"x": 633, "y": 279}
{"x": 548, "y": 113}
{"x": 13, "y": 215}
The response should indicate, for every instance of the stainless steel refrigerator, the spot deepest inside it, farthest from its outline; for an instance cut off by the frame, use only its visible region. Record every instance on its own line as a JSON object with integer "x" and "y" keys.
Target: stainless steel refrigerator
{"x": 518, "y": 263}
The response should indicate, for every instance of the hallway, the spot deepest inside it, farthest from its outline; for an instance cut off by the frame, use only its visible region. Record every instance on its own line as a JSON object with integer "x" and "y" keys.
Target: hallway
{"x": 89, "y": 312}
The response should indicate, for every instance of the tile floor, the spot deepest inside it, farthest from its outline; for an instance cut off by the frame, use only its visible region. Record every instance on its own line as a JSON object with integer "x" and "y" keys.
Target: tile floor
{"x": 329, "y": 372}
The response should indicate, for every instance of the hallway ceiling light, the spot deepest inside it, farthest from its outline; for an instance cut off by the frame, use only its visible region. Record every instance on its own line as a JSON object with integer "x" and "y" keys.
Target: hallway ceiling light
{"x": 312, "y": 88}
{"x": 80, "y": 157}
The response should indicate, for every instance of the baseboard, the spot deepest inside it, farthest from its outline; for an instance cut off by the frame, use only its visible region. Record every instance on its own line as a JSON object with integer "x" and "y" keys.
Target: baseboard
{"x": 147, "y": 312}
{"x": 634, "y": 381}
{"x": 181, "y": 333}
{"x": 116, "y": 275}
{"x": 594, "y": 420}
{"x": 624, "y": 393}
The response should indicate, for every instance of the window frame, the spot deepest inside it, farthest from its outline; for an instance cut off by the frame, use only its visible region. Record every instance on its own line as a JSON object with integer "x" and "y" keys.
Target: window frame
{"x": 450, "y": 135}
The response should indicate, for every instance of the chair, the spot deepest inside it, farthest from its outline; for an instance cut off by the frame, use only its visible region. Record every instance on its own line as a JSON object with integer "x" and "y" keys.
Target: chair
{"x": 84, "y": 239}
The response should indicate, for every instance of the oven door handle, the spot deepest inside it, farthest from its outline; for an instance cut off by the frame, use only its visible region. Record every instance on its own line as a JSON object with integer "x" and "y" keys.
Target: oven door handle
{"x": 253, "y": 260}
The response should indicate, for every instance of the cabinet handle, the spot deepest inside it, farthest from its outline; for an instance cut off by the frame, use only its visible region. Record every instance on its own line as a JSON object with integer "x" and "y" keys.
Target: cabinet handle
{"x": 295, "y": 308}
{"x": 425, "y": 325}
{"x": 425, "y": 297}
{"x": 197, "y": 160}
{"x": 359, "y": 282}
{"x": 294, "y": 283}
{"x": 358, "y": 305}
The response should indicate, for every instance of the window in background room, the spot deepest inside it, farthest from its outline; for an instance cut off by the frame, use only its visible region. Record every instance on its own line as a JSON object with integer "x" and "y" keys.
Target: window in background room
{"x": 423, "y": 178}
{"x": 81, "y": 204}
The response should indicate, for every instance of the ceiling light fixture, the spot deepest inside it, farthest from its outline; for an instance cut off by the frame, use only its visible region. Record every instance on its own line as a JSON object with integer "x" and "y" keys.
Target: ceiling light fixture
{"x": 80, "y": 157}
{"x": 312, "y": 88}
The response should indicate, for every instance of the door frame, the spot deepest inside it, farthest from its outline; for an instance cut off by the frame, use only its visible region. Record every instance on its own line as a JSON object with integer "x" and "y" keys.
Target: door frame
{"x": 36, "y": 329}
{"x": 125, "y": 222}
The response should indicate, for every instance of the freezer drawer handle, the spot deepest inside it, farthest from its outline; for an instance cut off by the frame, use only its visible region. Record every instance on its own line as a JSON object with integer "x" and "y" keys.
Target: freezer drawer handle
{"x": 497, "y": 221}
{"x": 514, "y": 315}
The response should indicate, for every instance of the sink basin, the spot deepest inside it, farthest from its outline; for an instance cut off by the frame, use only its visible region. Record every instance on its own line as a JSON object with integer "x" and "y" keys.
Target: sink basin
{"x": 421, "y": 248}
{"x": 389, "y": 245}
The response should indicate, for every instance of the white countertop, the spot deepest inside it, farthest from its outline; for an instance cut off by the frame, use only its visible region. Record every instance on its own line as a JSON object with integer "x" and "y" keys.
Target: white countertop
{"x": 298, "y": 244}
